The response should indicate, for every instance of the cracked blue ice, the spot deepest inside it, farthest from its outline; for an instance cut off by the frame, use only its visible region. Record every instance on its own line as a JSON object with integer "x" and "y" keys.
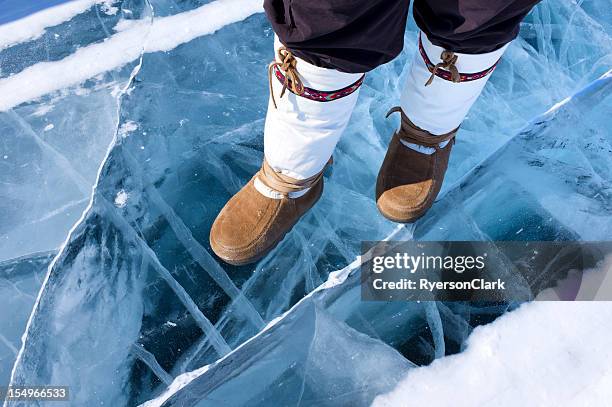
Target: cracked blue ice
{"x": 20, "y": 280}
{"x": 135, "y": 298}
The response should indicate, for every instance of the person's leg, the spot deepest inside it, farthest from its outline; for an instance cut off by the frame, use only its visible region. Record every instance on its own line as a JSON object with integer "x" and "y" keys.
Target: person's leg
{"x": 459, "y": 46}
{"x": 322, "y": 50}
{"x": 301, "y": 132}
{"x": 335, "y": 43}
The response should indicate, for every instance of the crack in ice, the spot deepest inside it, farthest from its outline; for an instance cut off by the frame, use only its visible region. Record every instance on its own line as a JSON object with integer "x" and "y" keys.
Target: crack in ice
{"x": 217, "y": 341}
{"x": 334, "y": 279}
{"x": 61, "y": 160}
{"x": 338, "y": 277}
{"x": 82, "y": 218}
{"x": 197, "y": 251}
{"x": 149, "y": 359}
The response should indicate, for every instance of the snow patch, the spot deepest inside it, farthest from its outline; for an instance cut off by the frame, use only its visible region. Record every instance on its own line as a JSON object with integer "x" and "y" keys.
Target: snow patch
{"x": 592, "y": 284}
{"x": 124, "y": 25}
{"x": 121, "y": 199}
{"x": 33, "y": 26}
{"x": 42, "y": 110}
{"x": 108, "y": 8}
{"x": 126, "y": 128}
{"x": 565, "y": 360}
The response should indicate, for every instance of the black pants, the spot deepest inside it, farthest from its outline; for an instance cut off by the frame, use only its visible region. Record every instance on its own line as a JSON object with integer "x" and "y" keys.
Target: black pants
{"x": 358, "y": 35}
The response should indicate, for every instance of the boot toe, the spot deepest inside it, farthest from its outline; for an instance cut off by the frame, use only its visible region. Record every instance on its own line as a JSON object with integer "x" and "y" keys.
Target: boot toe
{"x": 238, "y": 235}
{"x": 404, "y": 203}
{"x": 409, "y": 180}
{"x": 251, "y": 224}
{"x": 231, "y": 248}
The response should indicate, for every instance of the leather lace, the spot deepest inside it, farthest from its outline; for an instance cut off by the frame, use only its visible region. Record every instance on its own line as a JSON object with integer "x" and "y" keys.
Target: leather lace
{"x": 285, "y": 184}
{"x": 287, "y": 65}
{"x": 411, "y": 133}
{"x": 449, "y": 59}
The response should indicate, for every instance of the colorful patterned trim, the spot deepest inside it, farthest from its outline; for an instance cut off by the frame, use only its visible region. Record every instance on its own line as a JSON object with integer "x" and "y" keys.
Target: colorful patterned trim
{"x": 319, "y": 95}
{"x": 444, "y": 74}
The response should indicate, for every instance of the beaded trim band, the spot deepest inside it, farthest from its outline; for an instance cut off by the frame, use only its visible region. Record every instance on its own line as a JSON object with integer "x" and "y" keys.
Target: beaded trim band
{"x": 319, "y": 95}
{"x": 446, "y": 75}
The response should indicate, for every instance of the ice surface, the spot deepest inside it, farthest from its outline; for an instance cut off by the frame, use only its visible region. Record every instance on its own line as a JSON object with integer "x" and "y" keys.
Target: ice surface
{"x": 114, "y": 51}
{"x": 54, "y": 147}
{"x": 20, "y": 280}
{"x": 553, "y": 181}
{"x": 309, "y": 358}
{"x": 462, "y": 214}
{"x": 135, "y": 299}
{"x": 51, "y": 149}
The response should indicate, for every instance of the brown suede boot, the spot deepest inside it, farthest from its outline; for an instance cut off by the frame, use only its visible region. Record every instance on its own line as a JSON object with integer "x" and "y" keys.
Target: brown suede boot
{"x": 251, "y": 224}
{"x": 409, "y": 181}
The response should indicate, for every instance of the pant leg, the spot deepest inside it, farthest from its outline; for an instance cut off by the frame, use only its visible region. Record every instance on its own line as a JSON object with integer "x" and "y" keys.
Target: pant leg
{"x": 478, "y": 32}
{"x": 347, "y": 35}
{"x": 471, "y": 26}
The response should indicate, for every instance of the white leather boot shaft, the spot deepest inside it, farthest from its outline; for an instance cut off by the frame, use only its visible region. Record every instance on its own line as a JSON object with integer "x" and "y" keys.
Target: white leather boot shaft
{"x": 441, "y": 107}
{"x": 300, "y": 134}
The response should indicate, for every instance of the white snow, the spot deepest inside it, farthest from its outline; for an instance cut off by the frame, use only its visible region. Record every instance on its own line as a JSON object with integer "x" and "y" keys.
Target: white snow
{"x": 108, "y": 8}
{"x": 594, "y": 284}
{"x": 120, "y": 49}
{"x": 121, "y": 199}
{"x": 124, "y": 25}
{"x": 126, "y": 128}
{"x": 43, "y": 109}
{"x": 543, "y": 354}
{"x": 49, "y": 126}
{"x": 33, "y": 26}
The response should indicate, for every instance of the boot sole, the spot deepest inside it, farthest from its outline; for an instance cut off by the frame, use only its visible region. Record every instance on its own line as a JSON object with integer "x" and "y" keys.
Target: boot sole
{"x": 249, "y": 260}
{"x": 412, "y": 219}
